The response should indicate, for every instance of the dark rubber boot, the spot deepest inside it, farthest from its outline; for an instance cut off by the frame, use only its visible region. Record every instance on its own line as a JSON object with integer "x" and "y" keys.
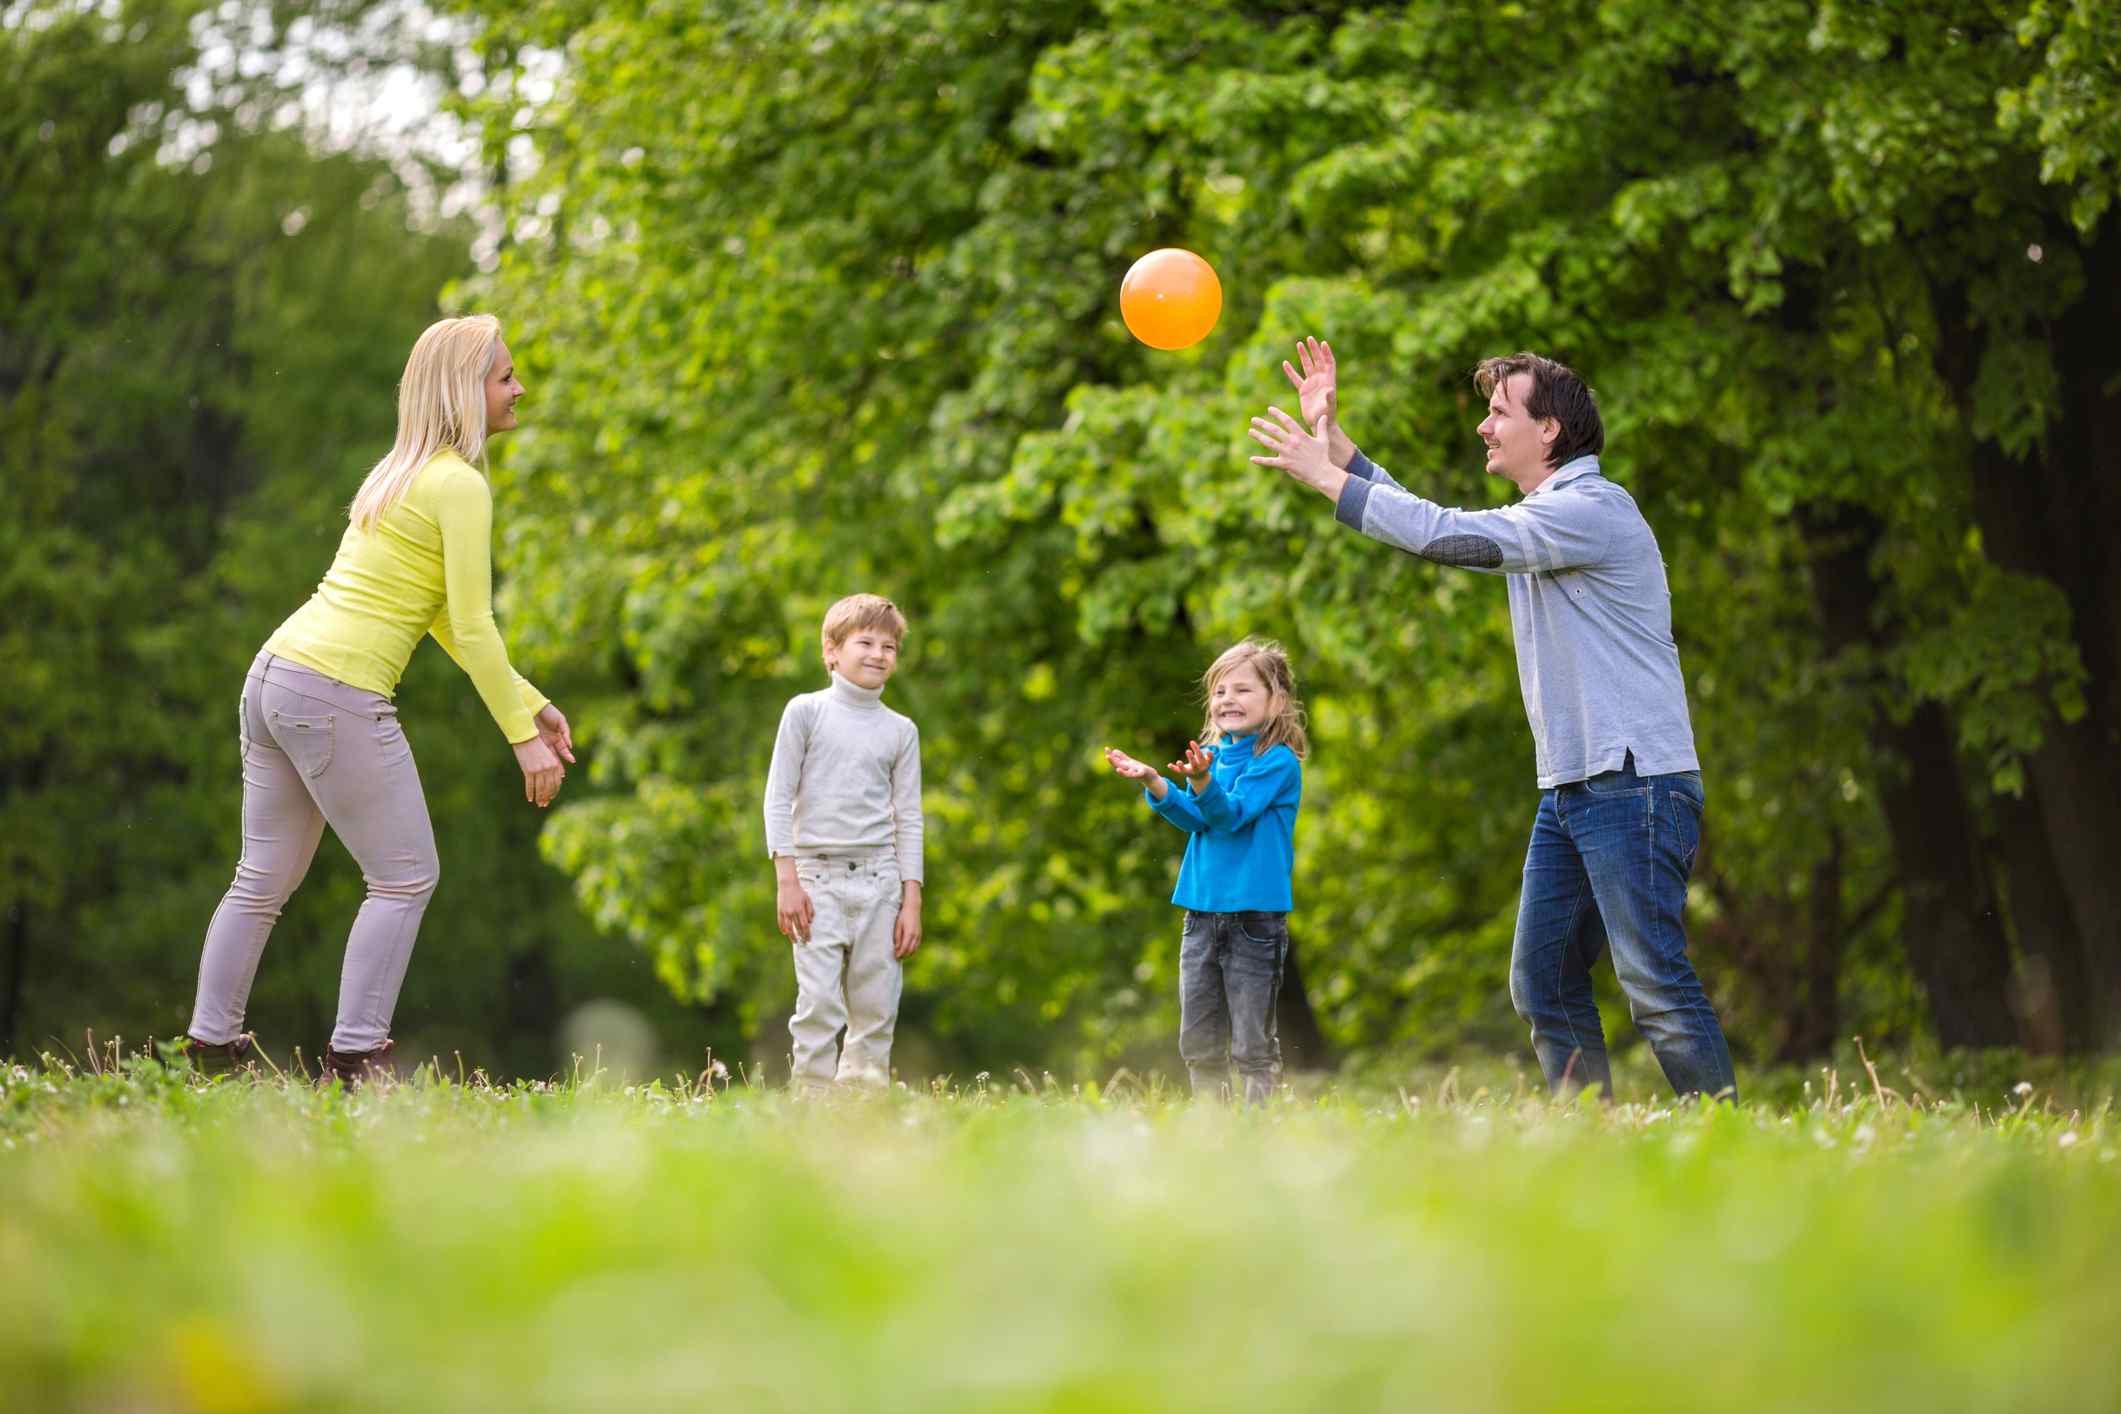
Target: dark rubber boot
{"x": 222, "y": 1058}
{"x": 355, "y": 1067}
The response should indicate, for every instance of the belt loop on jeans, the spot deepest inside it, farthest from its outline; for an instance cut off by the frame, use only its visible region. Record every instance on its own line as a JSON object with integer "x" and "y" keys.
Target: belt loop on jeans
{"x": 855, "y": 862}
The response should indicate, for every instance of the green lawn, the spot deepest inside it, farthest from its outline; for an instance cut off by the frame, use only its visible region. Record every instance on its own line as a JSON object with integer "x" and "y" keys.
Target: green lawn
{"x": 254, "y": 1246}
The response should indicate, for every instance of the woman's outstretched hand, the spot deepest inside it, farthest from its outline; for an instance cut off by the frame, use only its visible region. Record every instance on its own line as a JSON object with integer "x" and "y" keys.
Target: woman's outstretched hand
{"x": 542, "y": 772}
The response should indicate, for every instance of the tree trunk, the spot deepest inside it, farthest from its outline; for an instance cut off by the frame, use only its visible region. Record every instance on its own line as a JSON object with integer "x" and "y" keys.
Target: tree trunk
{"x": 533, "y": 1009}
{"x": 2056, "y": 512}
{"x": 2052, "y": 999}
{"x": 17, "y": 969}
{"x": 1952, "y": 931}
{"x": 1816, "y": 1021}
{"x": 1303, "y": 1045}
{"x": 1954, "y": 938}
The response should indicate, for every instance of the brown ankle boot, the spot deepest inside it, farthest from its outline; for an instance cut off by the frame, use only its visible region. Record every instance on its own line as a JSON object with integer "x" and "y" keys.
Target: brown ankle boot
{"x": 221, "y": 1058}
{"x": 353, "y": 1067}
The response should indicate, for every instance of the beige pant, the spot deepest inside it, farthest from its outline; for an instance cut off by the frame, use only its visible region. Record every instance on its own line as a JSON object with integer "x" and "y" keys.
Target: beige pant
{"x": 846, "y": 976}
{"x": 318, "y": 752}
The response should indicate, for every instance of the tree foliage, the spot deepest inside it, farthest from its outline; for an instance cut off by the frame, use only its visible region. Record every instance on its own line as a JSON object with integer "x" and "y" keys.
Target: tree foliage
{"x": 821, "y": 298}
{"x": 202, "y": 321}
{"x": 827, "y": 296}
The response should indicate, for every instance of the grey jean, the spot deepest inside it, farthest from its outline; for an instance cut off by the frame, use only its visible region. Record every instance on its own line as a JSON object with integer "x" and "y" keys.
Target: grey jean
{"x": 318, "y": 752}
{"x": 1229, "y": 978}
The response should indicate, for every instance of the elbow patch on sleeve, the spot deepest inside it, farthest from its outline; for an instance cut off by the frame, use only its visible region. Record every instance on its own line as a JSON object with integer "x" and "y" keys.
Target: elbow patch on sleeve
{"x": 1468, "y": 551}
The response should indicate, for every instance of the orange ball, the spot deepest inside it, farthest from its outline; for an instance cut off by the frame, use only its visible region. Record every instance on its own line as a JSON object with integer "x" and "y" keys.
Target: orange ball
{"x": 1170, "y": 299}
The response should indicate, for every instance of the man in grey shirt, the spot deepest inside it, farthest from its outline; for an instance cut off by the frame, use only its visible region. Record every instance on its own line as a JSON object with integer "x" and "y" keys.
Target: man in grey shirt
{"x": 1620, "y": 804}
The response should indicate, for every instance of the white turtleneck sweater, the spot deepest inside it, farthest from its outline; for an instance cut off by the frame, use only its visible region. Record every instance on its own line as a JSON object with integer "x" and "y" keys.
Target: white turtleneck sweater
{"x": 846, "y": 775}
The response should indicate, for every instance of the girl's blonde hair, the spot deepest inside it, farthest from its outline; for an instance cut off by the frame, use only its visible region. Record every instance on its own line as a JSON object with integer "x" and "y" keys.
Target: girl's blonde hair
{"x": 1285, "y": 720}
{"x": 441, "y": 406}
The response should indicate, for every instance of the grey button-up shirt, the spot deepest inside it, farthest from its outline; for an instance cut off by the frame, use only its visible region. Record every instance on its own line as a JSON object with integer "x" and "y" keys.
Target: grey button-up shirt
{"x": 1589, "y": 605}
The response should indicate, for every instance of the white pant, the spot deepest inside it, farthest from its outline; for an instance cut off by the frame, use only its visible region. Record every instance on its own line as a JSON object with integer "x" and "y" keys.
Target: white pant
{"x": 846, "y": 975}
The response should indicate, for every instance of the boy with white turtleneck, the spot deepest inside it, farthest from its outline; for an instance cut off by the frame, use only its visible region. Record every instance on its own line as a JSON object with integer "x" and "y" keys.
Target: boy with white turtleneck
{"x": 843, "y": 825}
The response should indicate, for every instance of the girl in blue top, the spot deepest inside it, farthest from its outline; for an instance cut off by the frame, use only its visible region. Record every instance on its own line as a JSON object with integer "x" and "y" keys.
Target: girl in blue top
{"x": 1239, "y": 816}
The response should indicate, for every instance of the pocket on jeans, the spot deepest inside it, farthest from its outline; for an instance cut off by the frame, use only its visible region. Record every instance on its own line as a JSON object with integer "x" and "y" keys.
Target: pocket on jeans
{"x": 1615, "y": 783}
{"x": 393, "y": 747}
{"x": 306, "y": 740}
{"x": 1683, "y": 812}
{"x": 1195, "y": 934}
{"x": 1265, "y": 928}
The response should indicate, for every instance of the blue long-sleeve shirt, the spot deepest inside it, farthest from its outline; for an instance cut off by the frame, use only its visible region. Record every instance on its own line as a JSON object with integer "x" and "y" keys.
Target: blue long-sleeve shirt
{"x": 1240, "y": 830}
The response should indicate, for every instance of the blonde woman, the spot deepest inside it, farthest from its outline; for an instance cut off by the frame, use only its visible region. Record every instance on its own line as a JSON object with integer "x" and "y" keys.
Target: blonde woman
{"x": 318, "y": 734}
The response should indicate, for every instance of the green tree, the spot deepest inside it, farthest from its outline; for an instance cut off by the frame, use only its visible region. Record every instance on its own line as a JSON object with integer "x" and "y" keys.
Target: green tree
{"x": 197, "y": 359}
{"x": 844, "y": 318}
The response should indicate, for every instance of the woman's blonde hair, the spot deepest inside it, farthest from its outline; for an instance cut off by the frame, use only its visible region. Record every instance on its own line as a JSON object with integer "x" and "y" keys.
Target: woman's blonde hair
{"x": 441, "y": 407}
{"x": 1285, "y": 721}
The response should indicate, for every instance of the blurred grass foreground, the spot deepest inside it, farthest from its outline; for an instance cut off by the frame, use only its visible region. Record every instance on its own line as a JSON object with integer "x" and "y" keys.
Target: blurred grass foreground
{"x": 259, "y": 1245}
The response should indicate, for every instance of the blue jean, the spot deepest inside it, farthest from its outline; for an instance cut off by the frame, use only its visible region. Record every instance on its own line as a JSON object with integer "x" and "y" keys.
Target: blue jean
{"x": 1608, "y": 867}
{"x": 1229, "y": 978}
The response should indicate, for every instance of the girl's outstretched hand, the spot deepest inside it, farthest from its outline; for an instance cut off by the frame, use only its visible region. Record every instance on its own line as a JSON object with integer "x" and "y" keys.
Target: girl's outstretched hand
{"x": 1194, "y": 766}
{"x": 1135, "y": 770}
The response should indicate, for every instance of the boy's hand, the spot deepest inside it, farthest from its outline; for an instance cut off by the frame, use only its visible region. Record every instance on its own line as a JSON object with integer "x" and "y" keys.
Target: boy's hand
{"x": 796, "y": 913}
{"x": 906, "y": 932}
{"x": 1134, "y": 770}
{"x": 1194, "y": 766}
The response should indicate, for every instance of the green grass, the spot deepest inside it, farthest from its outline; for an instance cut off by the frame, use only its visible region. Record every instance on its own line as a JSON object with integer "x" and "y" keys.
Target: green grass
{"x": 433, "y": 1245}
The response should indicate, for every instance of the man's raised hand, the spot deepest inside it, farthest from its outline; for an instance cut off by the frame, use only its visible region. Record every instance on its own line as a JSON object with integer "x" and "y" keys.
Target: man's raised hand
{"x": 1304, "y": 455}
{"x": 1318, "y": 396}
{"x": 1317, "y": 387}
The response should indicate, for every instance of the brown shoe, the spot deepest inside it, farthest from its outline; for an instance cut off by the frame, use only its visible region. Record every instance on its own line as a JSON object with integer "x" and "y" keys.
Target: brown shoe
{"x": 353, "y": 1067}
{"x": 221, "y": 1058}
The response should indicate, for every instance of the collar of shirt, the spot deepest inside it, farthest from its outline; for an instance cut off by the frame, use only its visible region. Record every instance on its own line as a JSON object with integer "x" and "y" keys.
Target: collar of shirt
{"x": 854, "y": 694}
{"x": 1235, "y": 748}
{"x": 1586, "y": 465}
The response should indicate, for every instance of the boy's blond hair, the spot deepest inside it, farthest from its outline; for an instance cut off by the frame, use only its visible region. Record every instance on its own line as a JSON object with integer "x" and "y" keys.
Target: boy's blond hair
{"x": 1265, "y": 657}
{"x": 853, "y": 614}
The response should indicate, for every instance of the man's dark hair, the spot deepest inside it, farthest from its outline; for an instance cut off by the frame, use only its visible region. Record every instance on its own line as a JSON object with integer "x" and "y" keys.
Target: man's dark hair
{"x": 1557, "y": 392}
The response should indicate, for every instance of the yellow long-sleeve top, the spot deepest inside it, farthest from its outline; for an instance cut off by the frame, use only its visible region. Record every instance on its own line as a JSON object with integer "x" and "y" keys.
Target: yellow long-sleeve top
{"x": 427, "y": 567}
